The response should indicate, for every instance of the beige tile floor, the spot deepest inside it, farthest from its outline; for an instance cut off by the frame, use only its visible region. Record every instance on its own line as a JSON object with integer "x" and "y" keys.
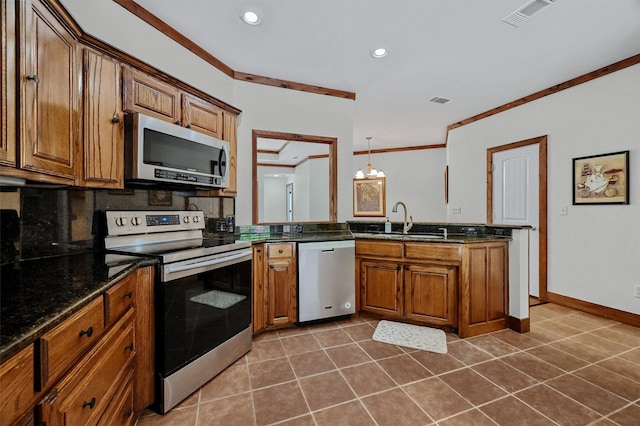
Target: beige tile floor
{"x": 571, "y": 369}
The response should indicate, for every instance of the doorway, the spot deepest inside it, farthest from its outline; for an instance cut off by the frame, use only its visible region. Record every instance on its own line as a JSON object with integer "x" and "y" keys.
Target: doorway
{"x": 517, "y": 195}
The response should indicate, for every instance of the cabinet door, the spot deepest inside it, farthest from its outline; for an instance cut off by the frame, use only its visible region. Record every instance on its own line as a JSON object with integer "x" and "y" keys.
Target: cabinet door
{"x": 103, "y": 122}
{"x": 430, "y": 294}
{"x": 259, "y": 319}
{"x": 230, "y": 134}
{"x": 202, "y": 116}
{"x": 8, "y": 83}
{"x": 144, "y": 394}
{"x": 381, "y": 287}
{"x": 484, "y": 285}
{"x": 148, "y": 95}
{"x": 16, "y": 382}
{"x": 49, "y": 94}
{"x": 281, "y": 292}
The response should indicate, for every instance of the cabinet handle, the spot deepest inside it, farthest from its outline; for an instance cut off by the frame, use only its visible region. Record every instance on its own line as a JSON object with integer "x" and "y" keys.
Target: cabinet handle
{"x": 129, "y": 347}
{"x": 188, "y": 126}
{"x": 33, "y": 78}
{"x": 89, "y": 404}
{"x": 115, "y": 120}
{"x": 127, "y": 295}
{"x": 128, "y": 413}
{"x": 178, "y": 122}
{"x": 88, "y": 332}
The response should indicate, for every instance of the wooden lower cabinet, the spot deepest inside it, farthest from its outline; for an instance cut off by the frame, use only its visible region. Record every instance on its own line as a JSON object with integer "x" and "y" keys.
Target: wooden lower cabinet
{"x": 16, "y": 386}
{"x": 462, "y": 286}
{"x": 84, "y": 394}
{"x": 274, "y": 285}
{"x": 430, "y": 293}
{"x": 484, "y": 288}
{"x": 95, "y": 367}
{"x": 381, "y": 287}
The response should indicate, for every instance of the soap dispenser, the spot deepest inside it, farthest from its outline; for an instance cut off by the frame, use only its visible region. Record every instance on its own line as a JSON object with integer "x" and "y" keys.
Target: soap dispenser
{"x": 387, "y": 227}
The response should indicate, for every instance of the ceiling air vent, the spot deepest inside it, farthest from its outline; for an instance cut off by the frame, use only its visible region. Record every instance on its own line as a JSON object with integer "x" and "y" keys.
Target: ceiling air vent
{"x": 439, "y": 100}
{"x": 527, "y": 11}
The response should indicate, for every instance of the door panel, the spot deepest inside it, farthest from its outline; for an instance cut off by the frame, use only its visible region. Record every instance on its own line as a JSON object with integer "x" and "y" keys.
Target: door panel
{"x": 515, "y": 198}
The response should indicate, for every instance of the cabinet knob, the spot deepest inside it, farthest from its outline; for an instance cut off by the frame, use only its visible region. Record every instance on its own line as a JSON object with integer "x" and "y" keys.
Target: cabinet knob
{"x": 88, "y": 332}
{"x": 127, "y": 295}
{"x": 115, "y": 120}
{"x": 280, "y": 251}
{"x": 188, "y": 126}
{"x": 129, "y": 347}
{"x": 128, "y": 413}
{"x": 33, "y": 78}
{"x": 89, "y": 404}
{"x": 178, "y": 122}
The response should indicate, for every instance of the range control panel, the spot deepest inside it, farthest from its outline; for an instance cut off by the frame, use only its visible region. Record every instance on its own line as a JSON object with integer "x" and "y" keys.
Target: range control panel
{"x": 129, "y": 222}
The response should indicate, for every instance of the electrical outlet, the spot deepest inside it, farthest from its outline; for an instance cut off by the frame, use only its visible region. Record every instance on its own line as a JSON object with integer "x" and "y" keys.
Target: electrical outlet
{"x": 456, "y": 210}
{"x": 637, "y": 291}
{"x": 564, "y": 210}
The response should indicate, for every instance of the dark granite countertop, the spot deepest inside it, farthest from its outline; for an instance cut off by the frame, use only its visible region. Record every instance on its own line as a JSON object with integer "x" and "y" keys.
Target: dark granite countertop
{"x": 37, "y": 294}
{"x": 431, "y": 238}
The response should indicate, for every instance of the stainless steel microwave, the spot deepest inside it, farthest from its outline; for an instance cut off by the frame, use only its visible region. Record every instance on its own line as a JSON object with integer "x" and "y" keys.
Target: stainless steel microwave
{"x": 157, "y": 151}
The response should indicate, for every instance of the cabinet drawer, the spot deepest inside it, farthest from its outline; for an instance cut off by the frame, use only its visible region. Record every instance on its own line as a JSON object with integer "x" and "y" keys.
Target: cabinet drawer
{"x": 433, "y": 251}
{"x": 120, "y": 410}
{"x": 16, "y": 382}
{"x": 119, "y": 298}
{"x": 84, "y": 394}
{"x": 378, "y": 248}
{"x": 61, "y": 347}
{"x": 280, "y": 250}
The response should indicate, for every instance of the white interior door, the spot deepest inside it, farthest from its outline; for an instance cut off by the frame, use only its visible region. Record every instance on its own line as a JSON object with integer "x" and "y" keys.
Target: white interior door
{"x": 515, "y": 198}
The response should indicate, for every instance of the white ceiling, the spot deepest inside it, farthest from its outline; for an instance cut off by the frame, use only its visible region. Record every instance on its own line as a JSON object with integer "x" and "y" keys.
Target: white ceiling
{"x": 288, "y": 153}
{"x": 456, "y": 49}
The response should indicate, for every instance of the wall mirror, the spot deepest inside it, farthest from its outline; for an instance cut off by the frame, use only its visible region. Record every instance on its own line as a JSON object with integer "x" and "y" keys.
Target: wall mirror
{"x": 294, "y": 178}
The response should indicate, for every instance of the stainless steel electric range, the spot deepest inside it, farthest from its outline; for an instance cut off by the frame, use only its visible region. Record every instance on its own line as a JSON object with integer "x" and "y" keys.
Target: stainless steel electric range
{"x": 202, "y": 295}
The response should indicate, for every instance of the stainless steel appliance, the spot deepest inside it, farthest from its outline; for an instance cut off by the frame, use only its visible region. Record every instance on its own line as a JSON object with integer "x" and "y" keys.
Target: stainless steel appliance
{"x": 202, "y": 295}
{"x": 326, "y": 277}
{"x": 159, "y": 151}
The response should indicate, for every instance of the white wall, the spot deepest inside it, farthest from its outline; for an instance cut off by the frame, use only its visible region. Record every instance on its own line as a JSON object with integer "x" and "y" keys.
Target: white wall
{"x": 414, "y": 177}
{"x": 264, "y": 107}
{"x": 594, "y": 251}
{"x": 290, "y": 111}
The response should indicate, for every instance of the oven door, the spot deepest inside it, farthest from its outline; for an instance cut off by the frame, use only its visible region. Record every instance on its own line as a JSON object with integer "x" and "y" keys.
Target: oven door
{"x": 200, "y": 304}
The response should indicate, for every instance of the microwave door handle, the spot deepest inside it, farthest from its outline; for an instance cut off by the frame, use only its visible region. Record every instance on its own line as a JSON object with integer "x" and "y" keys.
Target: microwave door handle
{"x": 179, "y": 268}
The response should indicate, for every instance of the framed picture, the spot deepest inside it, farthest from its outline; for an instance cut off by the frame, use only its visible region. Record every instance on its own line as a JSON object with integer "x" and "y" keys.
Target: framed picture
{"x": 160, "y": 198}
{"x": 601, "y": 179}
{"x": 369, "y": 197}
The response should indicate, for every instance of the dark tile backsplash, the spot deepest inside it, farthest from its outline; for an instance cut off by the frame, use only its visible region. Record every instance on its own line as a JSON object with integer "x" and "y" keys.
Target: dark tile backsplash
{"x": 40, "y": 222}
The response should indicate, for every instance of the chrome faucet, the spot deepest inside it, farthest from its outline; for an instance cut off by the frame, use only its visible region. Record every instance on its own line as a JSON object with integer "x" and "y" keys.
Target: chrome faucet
{"x": 406, "y": 226}
{"x": 444, "y": 230}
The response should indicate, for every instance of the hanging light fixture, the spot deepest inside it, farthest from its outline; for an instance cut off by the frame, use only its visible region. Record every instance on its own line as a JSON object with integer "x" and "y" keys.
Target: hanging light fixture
{"x": 369, "y": 172}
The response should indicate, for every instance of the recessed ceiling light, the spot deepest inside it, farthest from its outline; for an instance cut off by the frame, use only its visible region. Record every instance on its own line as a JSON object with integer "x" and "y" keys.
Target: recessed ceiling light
{"x": 250, "y": 17}
{"x": 378, "y": 53}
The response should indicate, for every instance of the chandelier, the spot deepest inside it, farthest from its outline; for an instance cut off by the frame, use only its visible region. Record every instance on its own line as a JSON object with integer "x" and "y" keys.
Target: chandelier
{"x": 369, "y": 172}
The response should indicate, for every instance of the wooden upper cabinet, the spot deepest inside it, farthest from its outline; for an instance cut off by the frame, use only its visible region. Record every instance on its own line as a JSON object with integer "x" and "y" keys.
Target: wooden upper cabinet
{"x": 201, "y": 116}
{"x": 49, "y": 101}
{"x": 148, "y": 95}
{"x": 8, "y": 83}
{"x": 103, "y": 120}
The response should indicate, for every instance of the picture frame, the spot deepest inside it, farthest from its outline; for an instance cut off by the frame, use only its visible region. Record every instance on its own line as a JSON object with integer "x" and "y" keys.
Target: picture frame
{"x": 369, "y": 197}
{"x": 601, "y": 179}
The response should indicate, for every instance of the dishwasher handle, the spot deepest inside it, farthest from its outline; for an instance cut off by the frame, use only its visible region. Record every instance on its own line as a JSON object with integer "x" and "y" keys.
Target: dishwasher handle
{"x": 331, "y": 250}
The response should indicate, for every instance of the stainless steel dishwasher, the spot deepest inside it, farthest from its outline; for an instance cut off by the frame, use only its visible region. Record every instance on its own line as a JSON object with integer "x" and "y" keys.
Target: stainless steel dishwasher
{"x": 326, "y": 279}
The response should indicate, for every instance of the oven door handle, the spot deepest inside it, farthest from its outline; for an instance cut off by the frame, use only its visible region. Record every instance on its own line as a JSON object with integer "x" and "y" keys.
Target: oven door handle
{"x": 184, "y": 267}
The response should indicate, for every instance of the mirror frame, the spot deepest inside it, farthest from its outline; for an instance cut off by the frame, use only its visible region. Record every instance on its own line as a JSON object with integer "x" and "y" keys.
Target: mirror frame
{"x": 333, "y": 160}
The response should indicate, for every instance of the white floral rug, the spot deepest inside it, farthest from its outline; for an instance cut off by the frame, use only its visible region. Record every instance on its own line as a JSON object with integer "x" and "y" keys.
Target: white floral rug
{"x": 411, "y": 336}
